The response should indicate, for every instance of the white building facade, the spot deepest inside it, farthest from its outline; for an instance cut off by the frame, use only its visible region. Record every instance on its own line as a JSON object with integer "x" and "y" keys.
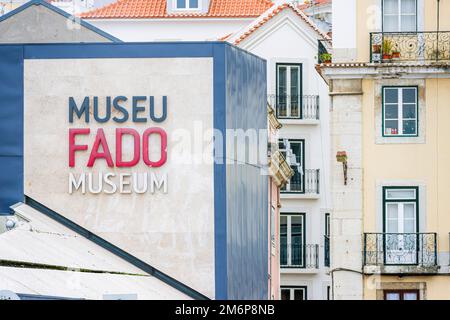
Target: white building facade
{"x": 289, "y": 42}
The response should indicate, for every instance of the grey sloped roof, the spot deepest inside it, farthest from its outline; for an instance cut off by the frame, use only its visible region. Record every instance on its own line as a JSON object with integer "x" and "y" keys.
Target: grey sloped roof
{"x": 42, "y": 257}
{"x": 38, "y": 21}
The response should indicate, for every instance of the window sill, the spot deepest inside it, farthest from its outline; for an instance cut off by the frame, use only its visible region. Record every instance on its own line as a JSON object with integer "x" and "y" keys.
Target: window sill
{"x": 300, "y": 196}
{"x": 400, "y": 140}
{"x": 313, "y": 122}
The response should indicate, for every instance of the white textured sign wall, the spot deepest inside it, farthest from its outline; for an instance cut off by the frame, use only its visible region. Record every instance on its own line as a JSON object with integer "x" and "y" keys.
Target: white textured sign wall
{"x": 172, "y": 230}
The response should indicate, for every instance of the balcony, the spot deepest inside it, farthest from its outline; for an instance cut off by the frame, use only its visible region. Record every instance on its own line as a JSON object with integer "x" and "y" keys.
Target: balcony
{"x": 296, "y": 107}
{"x": 302, "y": 184}
{"x": 298, "y": 256}
{"x": 400, "y": 253}
{"x": 279, "y": 169}
{"x": 326, "y": 251}
{"x": 423, "y": 47}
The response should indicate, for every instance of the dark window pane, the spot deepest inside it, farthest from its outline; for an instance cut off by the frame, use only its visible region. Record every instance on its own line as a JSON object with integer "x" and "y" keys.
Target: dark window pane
{"x": 297, "y": 150}
{"x": 193, "y": 4}
{"x": 285, "y": 294}
{"x": 390, "y": 95}
{"x": 409, "y": 127}
{"x": 391, "y": 111}
{"x": 283, "y": 240}
{"x": 296, "y": 184}
{"x": 299, "y": 294}
{"x": 391, "y": 127}
{"x": 282, "y": 105}
{"x": 409, "y": 111}
{"x": 181, "y": 4}
{"x": 393, "y": 296}
{"x": 409, "y": 95}
{"x": 295, "y": 81}
{"x": 282, "y": 74}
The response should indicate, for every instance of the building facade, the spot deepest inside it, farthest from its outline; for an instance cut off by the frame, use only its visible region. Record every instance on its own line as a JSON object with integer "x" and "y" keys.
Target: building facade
{"x": 140, "y": 163}
{"x": 283, "y": 35}
{"x": 389, "y": 85}
{"x": 289, "y": 41}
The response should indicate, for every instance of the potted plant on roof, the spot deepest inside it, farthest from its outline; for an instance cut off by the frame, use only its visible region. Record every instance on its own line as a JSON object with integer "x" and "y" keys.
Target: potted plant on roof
{"x": 325, "y": 58}
{"x": 387, "y": 49}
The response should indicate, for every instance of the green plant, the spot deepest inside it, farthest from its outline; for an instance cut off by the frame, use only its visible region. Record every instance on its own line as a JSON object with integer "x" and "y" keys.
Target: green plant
{"x": 325, "y": 57}
{"x": 387, "y": 47}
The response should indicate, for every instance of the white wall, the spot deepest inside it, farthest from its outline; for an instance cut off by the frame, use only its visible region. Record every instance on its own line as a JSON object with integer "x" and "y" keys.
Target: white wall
{"x": 172, "y": 231}
{"x": 169, "y": 29}
{"x": 287, "y": 39}
{"x": 344, "y": 30}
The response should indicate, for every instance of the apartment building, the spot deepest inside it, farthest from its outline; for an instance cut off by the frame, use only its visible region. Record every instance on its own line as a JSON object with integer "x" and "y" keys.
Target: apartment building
{"x": 290, "y": 43}
{"x": 390, "y": 86}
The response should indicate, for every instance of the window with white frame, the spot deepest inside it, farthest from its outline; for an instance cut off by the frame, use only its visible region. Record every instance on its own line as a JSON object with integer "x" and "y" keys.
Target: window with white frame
{"x": 187, "y": 4}
{"x": 294, "y": 151}
{"x": 294, "y": 293}
{"x": 400, "y": 225}
{"x": 292, "y": 240}
{"x": 399, "y": 15}
{"x": 289, "y": 91}
{"x": 400, "y": 111}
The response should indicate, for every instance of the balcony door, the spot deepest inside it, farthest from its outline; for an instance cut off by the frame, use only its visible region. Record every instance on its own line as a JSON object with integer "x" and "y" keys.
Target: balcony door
{"x": 292, "y": 240}
{"x": 399, "y": 15}
{"x": 289, "y": 91}
{"x": 294, "y": 151}
{"x": 401, "y": 240}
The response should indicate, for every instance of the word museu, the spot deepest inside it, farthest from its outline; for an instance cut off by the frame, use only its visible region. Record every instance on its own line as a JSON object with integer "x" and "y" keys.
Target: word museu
{"x": 111, "y": 182}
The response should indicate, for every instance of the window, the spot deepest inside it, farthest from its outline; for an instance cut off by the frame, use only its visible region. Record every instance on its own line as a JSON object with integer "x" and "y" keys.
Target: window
{"x": 186, "y": 4}
{"x": 292, "y": 240}
{"x": 401, "y": 295}
{"x": 400, "y": 111}
{"x": 328, "y": 292}
{"x": 327, "y": 224}
{"x": 289, "y": 91}
{"x": 294, "y": 293}
{"x": 294, "y": 151}
{"x": 399, "y": 15}
{"x": 400, "y": 225}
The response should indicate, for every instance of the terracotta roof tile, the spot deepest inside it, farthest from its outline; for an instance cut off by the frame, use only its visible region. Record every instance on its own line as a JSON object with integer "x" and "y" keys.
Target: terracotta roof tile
{"x": 148, "y": 9}
{"x": 243, "y": 34}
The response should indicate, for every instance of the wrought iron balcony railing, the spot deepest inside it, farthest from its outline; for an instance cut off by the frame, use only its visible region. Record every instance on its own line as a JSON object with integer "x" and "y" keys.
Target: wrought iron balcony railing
{"x": 326, "y": 249}
{"x": 299, "y": 256}
{"x": 409, "y": 46}
{"x": 400, "y": 249}
{"x": 304, "y": 107}
{"x": 306, "y": 182}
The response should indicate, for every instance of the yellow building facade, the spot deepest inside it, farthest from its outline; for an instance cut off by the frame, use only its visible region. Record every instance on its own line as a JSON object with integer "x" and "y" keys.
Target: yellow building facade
{"x": 390, "y": 90}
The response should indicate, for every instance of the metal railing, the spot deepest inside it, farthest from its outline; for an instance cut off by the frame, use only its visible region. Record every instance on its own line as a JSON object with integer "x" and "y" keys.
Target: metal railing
{"x": 409, "y": 46}
{"x": 326, "y": 251}
{"x": 305, "y": 107}
{"x": 307, "y": 182}
{"x": 299, "y": 256}
{"x": 397, "y": 249}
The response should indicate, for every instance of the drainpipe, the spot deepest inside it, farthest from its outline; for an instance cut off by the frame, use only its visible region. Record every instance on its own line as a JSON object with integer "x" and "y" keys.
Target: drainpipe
{"x": 438, "y": 14}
